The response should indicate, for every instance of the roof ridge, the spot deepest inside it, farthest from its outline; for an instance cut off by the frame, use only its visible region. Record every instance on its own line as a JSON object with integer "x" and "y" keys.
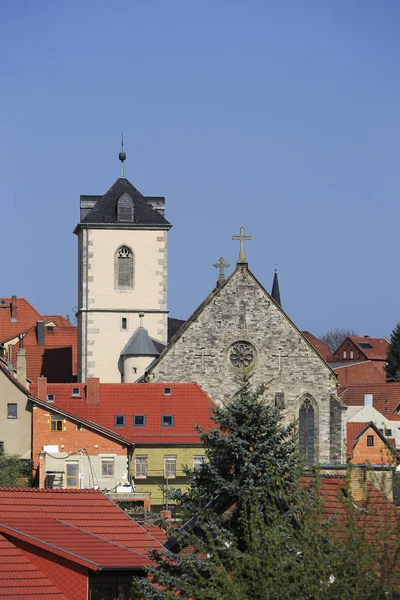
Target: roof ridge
{"x": 96, "y": 535}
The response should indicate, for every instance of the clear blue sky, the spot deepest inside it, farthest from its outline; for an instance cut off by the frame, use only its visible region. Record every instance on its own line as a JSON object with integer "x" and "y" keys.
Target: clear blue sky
{"x": 280, "y": 116}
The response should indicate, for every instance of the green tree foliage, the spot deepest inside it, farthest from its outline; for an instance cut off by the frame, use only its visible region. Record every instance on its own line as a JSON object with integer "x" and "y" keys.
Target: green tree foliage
{"x": 255, "y": 527}
{"x": 14, "y": 472}
{"x": 393, "y": 355}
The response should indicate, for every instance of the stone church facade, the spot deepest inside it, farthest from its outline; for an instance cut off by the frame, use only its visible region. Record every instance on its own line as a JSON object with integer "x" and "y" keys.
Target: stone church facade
{"x": 238, "y": 334}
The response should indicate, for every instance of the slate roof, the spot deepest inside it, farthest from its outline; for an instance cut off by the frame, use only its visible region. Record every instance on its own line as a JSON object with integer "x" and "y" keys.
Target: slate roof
{"x": 140, "y": 344}
{"x": 105, "y": 210}
{"x": 174, "y": 326}
{"x": 89, "y": 510}
{"x": 275, "y": 293}
{"x": 20, "y": 578}
{"x": 187, "y": 403}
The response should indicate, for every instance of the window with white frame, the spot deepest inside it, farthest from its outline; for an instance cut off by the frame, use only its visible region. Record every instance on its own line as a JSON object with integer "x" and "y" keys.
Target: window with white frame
{"x": 107, "y": 467}
{"x": 197, "y": 462}
{"x": 140, "y": 467}
{"x": 170, "y": 466}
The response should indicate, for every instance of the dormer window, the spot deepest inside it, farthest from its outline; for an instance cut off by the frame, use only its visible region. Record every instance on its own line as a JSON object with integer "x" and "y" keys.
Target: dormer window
{"x": 125, "y": 208}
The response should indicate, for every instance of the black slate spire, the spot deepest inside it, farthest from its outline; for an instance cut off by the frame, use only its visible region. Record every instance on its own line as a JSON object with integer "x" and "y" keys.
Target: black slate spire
{"x": 275, "y": 289}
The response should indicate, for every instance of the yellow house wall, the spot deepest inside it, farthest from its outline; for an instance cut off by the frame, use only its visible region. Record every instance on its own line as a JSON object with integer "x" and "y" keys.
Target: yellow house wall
{"x": 155, "y": 469}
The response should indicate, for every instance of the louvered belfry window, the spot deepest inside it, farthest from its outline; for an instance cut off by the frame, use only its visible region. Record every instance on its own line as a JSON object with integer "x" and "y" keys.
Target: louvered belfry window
{"x": 125, "y": 267}
{"x": 125, "y": 208}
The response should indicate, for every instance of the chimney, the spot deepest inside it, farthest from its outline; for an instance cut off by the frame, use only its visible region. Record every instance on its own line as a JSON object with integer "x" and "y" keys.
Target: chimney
{"x": 10, "y": 364}
{"x": 358, "y": 483}
{"x": 42, "y": 469}
{"x": 42, "y": 388}
{"x": 21, "y": 366}
{"x": 93, "y": 390}
{"x": 367, "y": 336}
{"x": 40, "y": 332}
{"x": 13, "y": 307}
{"x": 167, "y": 516}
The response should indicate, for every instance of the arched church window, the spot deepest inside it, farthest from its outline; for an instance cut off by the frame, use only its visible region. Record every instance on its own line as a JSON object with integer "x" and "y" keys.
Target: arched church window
{"x": 124, "y": 268}
{"x": 125, "y": 208}
{"x": 307, "y": 431}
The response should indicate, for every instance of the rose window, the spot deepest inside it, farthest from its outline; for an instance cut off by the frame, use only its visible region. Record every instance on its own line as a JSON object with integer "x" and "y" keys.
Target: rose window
{"x": 241, "y": 355}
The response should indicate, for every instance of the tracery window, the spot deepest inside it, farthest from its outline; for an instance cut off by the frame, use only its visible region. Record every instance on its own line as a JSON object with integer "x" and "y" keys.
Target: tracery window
{"x": 124, "y": 268}
{"x": 241, "y": 355}
{"x": 307, "y": 431}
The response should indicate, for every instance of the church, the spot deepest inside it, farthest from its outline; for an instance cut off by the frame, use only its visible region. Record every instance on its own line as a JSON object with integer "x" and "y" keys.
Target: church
{"x": 238, "y": 336}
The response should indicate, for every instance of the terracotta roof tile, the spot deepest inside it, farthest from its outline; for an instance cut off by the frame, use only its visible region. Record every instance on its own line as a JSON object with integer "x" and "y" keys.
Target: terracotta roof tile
{"x": 360, "y": 372}
{"x": 20, "y": 578}
{"x": 379, "y": 346}
{"x": 58, "y": 320}
{"x": 89, "y": 510}
{"x": 319, "y": 346}
{"x": 25, "y": 319}
{"x": 353, "y": 429}
{"x": 187, "y": 403}
{"x": 386, "y": 396}
{"x": 73, "y": 543}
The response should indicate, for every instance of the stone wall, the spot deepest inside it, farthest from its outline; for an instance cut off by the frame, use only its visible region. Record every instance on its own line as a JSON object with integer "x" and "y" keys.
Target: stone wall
{"x": 280, "y": 357}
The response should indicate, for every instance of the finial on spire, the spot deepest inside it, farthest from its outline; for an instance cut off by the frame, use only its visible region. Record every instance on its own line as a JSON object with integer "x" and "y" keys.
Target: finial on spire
{"x": 221, "y": 265}
{"x": 242, "y": 237}
{"x": 122, "y": 155}
{"x": 275, "y": 288}
{"x": 141, "y": 317}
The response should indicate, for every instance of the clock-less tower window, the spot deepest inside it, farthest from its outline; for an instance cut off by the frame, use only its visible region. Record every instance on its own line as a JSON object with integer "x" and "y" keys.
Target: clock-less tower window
{"x": 124, "y": 265}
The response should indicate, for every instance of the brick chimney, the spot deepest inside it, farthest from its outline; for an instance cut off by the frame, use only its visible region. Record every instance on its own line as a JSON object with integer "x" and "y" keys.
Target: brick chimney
{"x": 13, "y": 308}
{"x": 21, "y": 366}
{"x": 93, "y": 390}
{"x": 358, "y": 483}
{"x": 42, "y": 388}
{"x": 166, "y": 515}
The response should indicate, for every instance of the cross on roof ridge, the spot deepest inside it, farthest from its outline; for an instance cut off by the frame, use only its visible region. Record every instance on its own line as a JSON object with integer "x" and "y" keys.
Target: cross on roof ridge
{"x": 242, "y": 238}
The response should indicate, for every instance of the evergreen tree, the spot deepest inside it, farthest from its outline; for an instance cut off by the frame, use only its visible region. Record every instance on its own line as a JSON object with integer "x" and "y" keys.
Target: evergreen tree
{"x": 393, "y": 355}
{"x": 254, "y": 525}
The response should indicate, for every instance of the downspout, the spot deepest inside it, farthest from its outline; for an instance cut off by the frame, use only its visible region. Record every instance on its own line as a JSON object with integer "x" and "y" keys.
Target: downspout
{"x": 86, "y": 303}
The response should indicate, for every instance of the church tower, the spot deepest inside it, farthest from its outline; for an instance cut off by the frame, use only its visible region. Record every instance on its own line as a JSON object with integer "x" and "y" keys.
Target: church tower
{"x": 122, "y": 264}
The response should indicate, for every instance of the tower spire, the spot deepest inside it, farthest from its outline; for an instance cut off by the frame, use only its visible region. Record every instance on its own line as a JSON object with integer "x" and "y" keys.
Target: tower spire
{"x": 275, "y": 289}
{"x": 122, "y": 155}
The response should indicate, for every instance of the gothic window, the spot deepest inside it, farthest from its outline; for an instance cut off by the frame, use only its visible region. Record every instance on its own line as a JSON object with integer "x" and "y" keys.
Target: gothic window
{"x": 124, "y": 268}
{"x": 307, "y": 431}
{"x": 125, "y": 208}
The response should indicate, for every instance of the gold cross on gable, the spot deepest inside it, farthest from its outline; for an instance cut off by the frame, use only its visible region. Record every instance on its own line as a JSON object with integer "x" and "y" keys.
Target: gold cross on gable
{"x": 242, "y": 237}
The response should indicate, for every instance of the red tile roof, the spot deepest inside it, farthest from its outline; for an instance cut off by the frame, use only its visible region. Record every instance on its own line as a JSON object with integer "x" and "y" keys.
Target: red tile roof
{"x": 386, "y": 396}
{"x": 89, "y": 510}
{"x": 353, "y": 429}
{"x": 73, "y": 543}
{"x": 58, "y": 320}
{"x": 20, "y": 578}
{"x": 319, "y": 346}
{"x": 25, "y": 319}
{"x": 360, "y": 372}
{"x": 379, "y": 347}
{"x": 57, "y": 359}
{"x": 188, "y": 404}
